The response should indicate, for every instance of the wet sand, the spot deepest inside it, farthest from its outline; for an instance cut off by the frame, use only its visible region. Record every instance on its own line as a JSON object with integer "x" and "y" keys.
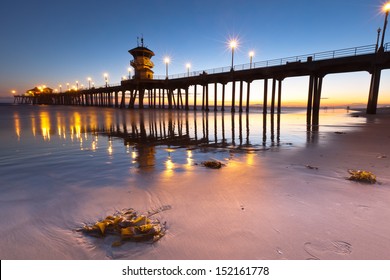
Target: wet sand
{"x": 294, "y": 204}
{"x": 289, "y": 203}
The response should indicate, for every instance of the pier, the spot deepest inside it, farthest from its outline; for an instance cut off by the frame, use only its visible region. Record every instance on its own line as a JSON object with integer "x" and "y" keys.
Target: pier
{"x": 144, "y": 90}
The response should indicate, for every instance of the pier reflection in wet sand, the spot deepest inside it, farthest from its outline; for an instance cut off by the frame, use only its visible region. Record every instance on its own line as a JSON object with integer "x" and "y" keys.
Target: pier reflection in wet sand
{"x": 144, "y": 131}
{"x": 197, "y": 130}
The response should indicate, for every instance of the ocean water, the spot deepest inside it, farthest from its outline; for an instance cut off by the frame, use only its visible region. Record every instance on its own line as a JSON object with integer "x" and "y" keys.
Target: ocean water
{"x": 62, "y": 167}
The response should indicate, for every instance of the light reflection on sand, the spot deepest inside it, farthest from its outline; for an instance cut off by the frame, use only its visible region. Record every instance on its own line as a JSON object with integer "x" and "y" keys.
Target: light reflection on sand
{"x": 44, "y": 118}
{"x": 141, "y": 131}
{"x": 17, "y": 125}
{"x": 263, "y": 202}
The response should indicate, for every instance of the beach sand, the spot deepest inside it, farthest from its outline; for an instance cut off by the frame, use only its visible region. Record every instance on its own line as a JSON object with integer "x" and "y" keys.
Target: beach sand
{"x": 294, "y": 203}
{"x": 275, "y": 207}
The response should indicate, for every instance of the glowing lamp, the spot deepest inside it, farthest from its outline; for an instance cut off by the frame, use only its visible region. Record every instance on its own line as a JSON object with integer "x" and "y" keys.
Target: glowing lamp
{"x": 386, "y": 7}
{"x": 233, "y": 44}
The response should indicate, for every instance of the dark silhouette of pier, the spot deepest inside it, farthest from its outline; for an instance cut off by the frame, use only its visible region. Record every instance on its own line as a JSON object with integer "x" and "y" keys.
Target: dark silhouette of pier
{"x": 172, "y": 92}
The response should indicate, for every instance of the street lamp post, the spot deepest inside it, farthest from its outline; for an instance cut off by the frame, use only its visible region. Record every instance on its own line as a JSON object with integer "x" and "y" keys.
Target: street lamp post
{"x": 77, "y": 85}
{"x": 106, "y": 79}
{"x": 188, "y": 66}
{"x": 60, "y": 88}
{"x": 166, "y": 60}
{"x": 251, "y": 55}
{"x": 233, "y": 45}
{"x": 129, "y": 70}
{"x": 386, "y": 9}
{"x": 67, "y": 86}
{"x": 89, "y": 82}
{"x": 377, "y": 39}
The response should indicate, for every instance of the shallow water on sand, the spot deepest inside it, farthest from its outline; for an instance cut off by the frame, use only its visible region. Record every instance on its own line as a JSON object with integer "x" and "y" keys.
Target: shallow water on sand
{"x": 61, "y": 167}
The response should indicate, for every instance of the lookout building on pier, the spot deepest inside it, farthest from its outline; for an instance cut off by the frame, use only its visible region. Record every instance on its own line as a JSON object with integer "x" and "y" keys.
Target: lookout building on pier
{"x": 142, "y": 62}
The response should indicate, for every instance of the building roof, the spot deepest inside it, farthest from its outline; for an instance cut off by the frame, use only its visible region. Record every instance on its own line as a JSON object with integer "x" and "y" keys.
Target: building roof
{"x": 141, "y": 51}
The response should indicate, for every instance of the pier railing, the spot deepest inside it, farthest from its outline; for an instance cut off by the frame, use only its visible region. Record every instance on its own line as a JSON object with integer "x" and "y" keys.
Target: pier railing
{"x": 348, "y": 52}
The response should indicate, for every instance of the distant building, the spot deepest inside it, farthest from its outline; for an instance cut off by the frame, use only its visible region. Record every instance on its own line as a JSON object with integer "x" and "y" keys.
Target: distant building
{"x": 39, "y": 90}
{"x": 142, "y": 63}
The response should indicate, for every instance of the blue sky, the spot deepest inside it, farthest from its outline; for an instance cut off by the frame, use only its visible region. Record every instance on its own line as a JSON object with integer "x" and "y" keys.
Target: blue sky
{"x": 53, "y": 42}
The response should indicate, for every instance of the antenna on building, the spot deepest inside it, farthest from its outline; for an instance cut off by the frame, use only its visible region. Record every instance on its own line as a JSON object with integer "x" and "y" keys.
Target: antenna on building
{"x": 142, "y": 40}
{"x": 137, "y": 41}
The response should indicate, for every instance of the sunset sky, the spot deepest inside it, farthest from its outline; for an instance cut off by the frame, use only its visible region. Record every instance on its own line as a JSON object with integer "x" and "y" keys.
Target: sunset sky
{"x": 58, "y": 42}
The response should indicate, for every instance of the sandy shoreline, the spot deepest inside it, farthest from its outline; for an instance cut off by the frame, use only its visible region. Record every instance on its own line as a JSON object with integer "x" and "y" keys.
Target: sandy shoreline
{"x": 275, "y": 207}
{"x": 330, "y": 217}
{"x": 261, "y": 205}
{"x": 293, "y": 212}
{"x": 271, "y": 206}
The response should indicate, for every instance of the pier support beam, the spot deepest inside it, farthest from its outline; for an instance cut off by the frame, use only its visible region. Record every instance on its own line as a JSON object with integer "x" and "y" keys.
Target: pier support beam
{"x": 314, "y": 100}
{"x": 207, "y": 97}
{"x": 273, "y": 96}
{"x": 241, "y": 89}
{"x": 233, "y": 96}
{"x": 154, "y": 98}
{"x": 317, "y": 100}
{"x": 186, "y": 106}
{"x": 195, "y": 94}
{"x": 279, "y": 95}
{"x": 374, "y": 91}
{"x": 170, "y": 97}
{"x": 163, "y": 98}
{"x": 215, "y": 97}
{"x": 173, "y": 99}
{"x": 179, "y": 104}
{"x": 133, "y": 95}
{"x": 265, "y": 98}
{"x": 116, "y": 99}
{"x": 223, "y": 97}
{"x": 203, "y": 96}
{"x": 248, "y": 89}
{"x": 122, "y": 104}
{"x": 159, "y": 98}
{"x": 310, "y": 100}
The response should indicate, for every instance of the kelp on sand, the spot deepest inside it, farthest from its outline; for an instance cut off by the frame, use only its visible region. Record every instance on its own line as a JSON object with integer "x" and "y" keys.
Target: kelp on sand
{"x": 362, "y": 176}
{"x": 128, "y": 226}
